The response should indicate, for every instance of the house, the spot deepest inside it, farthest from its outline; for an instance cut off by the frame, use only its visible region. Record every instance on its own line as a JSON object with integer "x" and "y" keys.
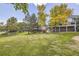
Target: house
{"x": 71, "y": 26}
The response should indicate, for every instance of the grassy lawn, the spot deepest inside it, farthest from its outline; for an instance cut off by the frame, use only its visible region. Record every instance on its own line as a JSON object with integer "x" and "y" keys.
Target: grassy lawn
{"x": 42, "y": 44}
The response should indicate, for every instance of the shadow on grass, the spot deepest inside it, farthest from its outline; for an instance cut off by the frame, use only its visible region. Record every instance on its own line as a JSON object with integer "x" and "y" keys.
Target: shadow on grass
{"x": 31, "y": 33}
{"x": 7, "y": 34}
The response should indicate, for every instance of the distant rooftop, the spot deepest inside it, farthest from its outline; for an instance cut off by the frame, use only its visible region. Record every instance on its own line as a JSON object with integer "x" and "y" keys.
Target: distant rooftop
{"x": 74, "y": 16}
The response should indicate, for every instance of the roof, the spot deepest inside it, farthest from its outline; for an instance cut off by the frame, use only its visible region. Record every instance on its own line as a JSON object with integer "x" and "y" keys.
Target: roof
{"x": 74, "y": 16}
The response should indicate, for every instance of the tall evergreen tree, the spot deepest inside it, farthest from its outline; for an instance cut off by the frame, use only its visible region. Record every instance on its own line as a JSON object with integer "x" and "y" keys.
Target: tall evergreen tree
{"x": 30, "y": 21}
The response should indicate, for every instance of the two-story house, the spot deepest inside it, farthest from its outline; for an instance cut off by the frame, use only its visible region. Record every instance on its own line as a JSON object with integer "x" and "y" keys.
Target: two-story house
{"x": 72, "y": 25}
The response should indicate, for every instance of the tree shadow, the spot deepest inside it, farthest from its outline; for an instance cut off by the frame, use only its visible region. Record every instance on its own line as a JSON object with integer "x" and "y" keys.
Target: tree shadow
{"x": 7, "y": 34}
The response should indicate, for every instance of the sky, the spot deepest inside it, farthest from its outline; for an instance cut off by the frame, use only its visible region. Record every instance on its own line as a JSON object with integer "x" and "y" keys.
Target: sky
{"x": 7, "y": 10}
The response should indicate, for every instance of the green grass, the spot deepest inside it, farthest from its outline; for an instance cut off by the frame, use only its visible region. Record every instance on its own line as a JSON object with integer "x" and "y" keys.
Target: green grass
{"x": 37, "y": 44}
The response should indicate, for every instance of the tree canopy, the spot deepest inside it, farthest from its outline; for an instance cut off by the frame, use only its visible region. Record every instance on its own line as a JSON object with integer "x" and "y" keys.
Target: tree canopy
{"x": 12, "y": 24}
{"x": 41, "y": 15}
{"x": 21, "y": 6}
{"x": 59, "y": 14}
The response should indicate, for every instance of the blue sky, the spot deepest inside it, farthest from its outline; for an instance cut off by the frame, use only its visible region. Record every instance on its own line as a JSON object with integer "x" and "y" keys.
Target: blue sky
{"x": 7, "y": 10}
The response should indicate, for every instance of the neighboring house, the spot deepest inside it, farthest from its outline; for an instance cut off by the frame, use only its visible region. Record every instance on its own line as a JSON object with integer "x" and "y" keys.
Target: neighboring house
{"x": 1, "y": 23}
{"x": 71, "y": 26}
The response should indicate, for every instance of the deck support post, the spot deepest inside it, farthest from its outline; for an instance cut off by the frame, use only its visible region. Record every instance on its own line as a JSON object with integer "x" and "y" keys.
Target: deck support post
{"x": 66, "y": 28}
{"x": 75, "y": 27}
{"x": 59, "y": 28}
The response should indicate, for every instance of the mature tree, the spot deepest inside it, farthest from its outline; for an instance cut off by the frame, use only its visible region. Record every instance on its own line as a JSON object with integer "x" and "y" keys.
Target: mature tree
{"x": 33, "y": 21}
{"x": 22, "y": 26}
{"x": 21, "y": 6}
{"x": 27, "y": 21}
{"x": 12, "y": 24}
{"x": 2, "y": 26}
{"x": 30, "y": 21}
{"x": 41, "y": 16}
{"x": 59, "y": 14}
